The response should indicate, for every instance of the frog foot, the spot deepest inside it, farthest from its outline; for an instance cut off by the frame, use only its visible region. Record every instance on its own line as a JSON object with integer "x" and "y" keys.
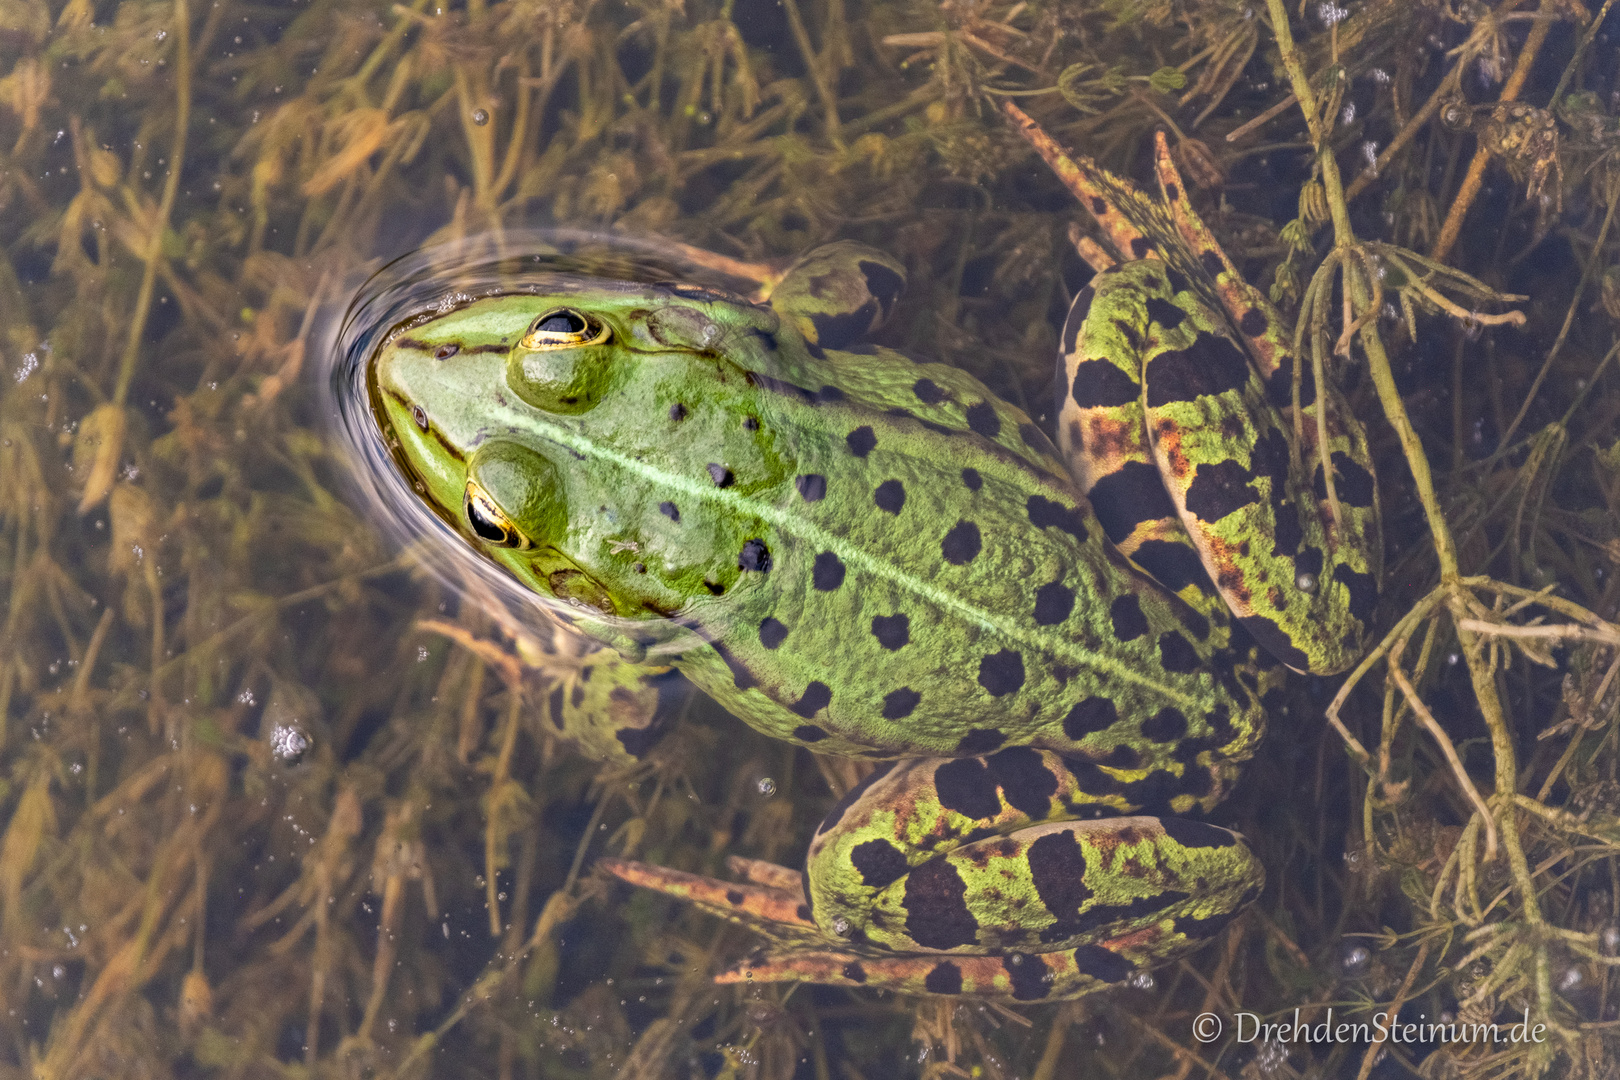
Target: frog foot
{"x": 1014, "y": 976}
{"x": 770, "y": 903}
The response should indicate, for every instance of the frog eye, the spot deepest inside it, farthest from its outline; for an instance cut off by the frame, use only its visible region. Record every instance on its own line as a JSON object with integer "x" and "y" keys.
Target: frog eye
{"x": 489, "y": 521}
{"x": 564, "y": 328}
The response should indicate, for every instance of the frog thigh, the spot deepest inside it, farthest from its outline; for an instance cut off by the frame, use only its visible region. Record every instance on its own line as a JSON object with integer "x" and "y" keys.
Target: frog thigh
{"x": 1227, "y": 466}
{"x": 910, "y": 812}
{"x": 973, "y": 854}
{"x": 1116, "y": 895}
{"x": 1355, "y": 536}
{"x": 1102, "y": 433}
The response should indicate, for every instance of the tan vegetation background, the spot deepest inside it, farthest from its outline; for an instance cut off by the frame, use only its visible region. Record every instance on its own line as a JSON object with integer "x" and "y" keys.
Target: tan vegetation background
{"x": 277, "y": 804}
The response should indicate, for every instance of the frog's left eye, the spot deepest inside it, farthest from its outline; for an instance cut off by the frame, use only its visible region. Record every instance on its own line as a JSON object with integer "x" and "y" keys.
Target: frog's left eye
{"x": 489, "y": 521}
{"x": 564, "y": 328}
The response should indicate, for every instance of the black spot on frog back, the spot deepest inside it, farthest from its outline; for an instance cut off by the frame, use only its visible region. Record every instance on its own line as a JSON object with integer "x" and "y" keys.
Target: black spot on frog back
{"x": 754, "y": 556}
{"x": 861, "y": 441}
{"x": 983, "y": 419}
{"x": 1044, "y": 513}
{"x": 817, "y": 696}
{"x": 1090, "y": 716}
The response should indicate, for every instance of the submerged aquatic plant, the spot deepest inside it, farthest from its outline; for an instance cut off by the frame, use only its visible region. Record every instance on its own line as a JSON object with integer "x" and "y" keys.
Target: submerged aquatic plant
{"x": 275, "y": 798}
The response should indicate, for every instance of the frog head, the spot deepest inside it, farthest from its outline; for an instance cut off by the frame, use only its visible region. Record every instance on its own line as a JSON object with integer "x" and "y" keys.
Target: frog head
{"x": 562, "y": 433}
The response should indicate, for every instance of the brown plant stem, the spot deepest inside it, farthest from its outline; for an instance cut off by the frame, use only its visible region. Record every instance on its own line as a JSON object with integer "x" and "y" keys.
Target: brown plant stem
{"x": 1469, "y": 190}
{"x": 1370, "y": 1058}
{"x": 1479, "y": 669}
{"x": 818, "y": 77}
{"x": 171, "y": 187}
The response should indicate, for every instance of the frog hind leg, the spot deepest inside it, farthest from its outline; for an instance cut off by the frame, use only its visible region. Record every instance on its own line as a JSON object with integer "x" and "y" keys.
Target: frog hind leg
{"x": 1310, "y": 596}
{"x": 1117, "y": 896}
{"x": 1224, "y": 461}
{"x": 1129, "y": 220}
{"x": 1350, "y": 543}
{"x": 971, "y": 876}
{"x": 1014, "y": 977}
{"x": 979, "y": 860}
{"x": 1101, "y": 433}
{"x": 1103, "y": 437}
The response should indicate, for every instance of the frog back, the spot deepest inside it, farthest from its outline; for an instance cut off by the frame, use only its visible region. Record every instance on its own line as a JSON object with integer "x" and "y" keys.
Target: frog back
{"x": 938, "y": 585}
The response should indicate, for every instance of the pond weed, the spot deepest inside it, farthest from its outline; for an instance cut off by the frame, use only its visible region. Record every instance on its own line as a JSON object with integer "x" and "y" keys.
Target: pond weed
{"x": 277, "y": 802}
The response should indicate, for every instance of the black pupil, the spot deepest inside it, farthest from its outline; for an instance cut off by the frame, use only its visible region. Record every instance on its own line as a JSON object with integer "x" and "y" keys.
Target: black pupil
{"x": 562, "y": 322}
{"x": 484, "y": 527}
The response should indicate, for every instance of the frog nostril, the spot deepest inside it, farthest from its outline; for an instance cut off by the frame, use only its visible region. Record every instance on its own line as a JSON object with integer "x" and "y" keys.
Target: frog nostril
{"x": 419, "y": 414}
{"x": 445, "y": 352}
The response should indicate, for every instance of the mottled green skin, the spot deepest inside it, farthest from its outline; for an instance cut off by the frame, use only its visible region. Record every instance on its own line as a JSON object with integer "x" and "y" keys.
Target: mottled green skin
{"x": 985, "y": 669}
{"x": 868, "y": 556}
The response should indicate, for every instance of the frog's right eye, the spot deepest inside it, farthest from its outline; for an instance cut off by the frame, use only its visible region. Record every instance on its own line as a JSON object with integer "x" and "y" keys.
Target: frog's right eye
{"x": 489, "y": 522}
{"x": 564, "y": 328}
{"x": 514, "y": 496}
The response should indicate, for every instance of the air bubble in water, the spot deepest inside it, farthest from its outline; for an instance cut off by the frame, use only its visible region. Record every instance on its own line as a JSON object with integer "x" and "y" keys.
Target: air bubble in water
{"x": 289, "y": 743}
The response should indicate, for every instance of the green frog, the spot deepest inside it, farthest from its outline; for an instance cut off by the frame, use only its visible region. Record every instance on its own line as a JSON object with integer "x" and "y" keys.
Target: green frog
{"x": 1057, "y": 652}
